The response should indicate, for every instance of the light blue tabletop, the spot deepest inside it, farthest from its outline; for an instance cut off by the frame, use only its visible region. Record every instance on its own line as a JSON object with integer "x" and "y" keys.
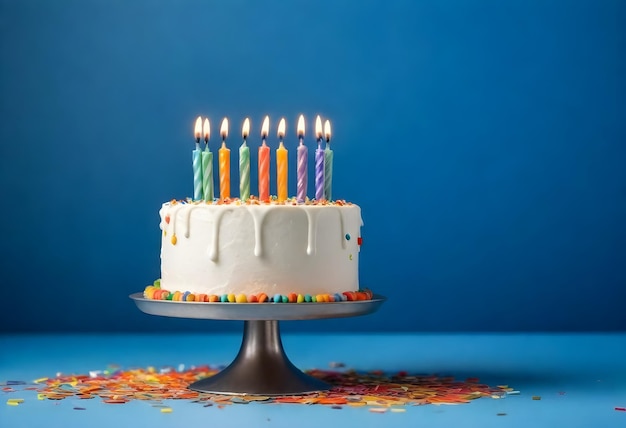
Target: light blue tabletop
{"x": 581, "y": 379}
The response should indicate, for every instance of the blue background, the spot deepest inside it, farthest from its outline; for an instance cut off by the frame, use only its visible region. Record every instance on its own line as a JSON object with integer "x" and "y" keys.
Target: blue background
{"x": 484, "y": 140}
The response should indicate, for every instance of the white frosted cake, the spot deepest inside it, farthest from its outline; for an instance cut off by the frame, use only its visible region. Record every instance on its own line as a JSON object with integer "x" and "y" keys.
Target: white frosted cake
{"x": 213, "y": 251}
{"x": 260, "y": 249}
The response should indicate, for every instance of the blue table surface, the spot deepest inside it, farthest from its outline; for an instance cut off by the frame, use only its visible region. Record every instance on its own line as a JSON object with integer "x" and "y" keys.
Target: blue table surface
{"x": 581, "y": 378}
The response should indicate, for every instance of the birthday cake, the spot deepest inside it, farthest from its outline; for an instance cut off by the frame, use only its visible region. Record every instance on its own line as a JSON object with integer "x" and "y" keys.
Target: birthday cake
{"x": 253, "y": 250}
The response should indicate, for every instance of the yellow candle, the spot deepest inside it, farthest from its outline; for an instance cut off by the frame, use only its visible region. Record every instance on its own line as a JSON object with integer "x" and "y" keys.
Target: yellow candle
{"x": 281, "y": 164}
{"x": 224, "y": 161}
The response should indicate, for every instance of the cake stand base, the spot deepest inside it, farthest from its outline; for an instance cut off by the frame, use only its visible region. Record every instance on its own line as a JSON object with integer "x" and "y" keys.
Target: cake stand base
{"x": 261, "y": 367}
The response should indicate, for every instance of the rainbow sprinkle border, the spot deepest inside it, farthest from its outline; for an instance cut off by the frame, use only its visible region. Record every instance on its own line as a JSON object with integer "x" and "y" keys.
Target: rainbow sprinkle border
{"x": 155, "y": 292}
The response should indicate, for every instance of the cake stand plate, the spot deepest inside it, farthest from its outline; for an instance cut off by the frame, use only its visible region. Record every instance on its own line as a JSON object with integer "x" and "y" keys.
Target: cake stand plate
{"x": 261, "y": 366}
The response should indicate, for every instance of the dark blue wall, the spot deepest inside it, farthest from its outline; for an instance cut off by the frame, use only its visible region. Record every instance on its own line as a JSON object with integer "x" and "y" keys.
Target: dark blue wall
{"x": 484, "y": 140}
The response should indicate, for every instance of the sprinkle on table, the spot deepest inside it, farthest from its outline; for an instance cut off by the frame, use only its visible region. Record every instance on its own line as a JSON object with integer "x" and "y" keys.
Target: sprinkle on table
{"x": 377, "y": 390}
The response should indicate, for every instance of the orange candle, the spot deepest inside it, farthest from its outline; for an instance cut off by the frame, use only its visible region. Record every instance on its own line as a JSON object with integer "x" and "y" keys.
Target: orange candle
{"x": 224, "y": 161}
{"x": 281, "y": 164}
{"x": 264, "y": 163}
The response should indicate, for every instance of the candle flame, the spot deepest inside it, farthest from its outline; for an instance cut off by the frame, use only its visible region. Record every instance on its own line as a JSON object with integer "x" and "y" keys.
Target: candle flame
{"x": 245, "y": 129}
{"x": 265, "y": 129}
{"x": 224, "y": 129}
{"x": 206, "y": 129}
{"x": 327, "y": 130}
{"x": 281, "y": 128}
{"x": 318, "y": 128}
{"x": 198, "y": 128}
{"x": 301, "y": 126}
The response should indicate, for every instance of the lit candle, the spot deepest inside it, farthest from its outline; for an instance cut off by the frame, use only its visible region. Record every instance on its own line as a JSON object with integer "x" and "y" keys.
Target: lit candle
{"x": 207, "y": 164}
{"x": 264, "y": 163}
{"x": 244, "y": 163}
{"x": 197, "y": 163}
{"x": 224, "y": 161}
{"x": 281, "y": 164}
{"x": 303, "y": 156}
{"x": 328, "y": 164}
{"x": 319, "y": 161}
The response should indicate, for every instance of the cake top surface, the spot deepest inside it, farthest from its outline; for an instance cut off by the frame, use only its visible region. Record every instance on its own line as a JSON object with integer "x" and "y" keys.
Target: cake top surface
{"x": 255, "y": 201}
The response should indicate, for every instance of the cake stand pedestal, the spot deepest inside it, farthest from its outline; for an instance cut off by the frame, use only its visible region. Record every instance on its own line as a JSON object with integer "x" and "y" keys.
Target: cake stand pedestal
{"x": 261, "y": 366}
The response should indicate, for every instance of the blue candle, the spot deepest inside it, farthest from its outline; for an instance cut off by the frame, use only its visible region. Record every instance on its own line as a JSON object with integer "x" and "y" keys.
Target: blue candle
{"x": 319, "y": 162}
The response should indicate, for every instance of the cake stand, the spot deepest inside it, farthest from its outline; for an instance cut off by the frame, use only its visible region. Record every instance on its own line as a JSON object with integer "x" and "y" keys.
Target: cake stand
{"x": 261, "y": 367}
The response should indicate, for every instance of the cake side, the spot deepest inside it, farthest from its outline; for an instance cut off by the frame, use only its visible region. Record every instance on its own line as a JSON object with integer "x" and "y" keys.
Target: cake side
{"x": 254, "y": 249}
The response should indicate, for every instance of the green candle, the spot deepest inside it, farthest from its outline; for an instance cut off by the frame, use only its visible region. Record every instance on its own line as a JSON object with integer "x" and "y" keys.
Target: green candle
{"x": 328, "y": 165}
{"x": 207, "y": 164}
{"x": 244, "y": 164}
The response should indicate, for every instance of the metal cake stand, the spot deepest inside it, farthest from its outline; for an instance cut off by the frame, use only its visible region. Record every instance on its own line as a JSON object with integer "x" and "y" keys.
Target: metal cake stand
{"x": 261, "y": 367}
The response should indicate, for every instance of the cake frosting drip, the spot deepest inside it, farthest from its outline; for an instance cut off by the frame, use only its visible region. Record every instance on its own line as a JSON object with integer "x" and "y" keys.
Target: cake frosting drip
{"x": 252, "y": 248}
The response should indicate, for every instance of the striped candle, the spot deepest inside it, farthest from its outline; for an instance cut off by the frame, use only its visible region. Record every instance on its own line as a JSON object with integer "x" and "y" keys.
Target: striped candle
{"x": 207, "y": 164}
{"x": 197, "y": 163}
{"x": 328, "y": 164}
{"x": 282, "y": 165}
{"x": 264, "y": 163}
{"x": 244, "y": 163}
{"x": 224, "y": 163}
{"x": 319, "y": 162}
{"x": 302, "y": 168}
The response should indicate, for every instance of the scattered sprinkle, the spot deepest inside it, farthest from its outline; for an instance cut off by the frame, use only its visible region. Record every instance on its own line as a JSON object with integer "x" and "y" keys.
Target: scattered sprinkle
{"x": 115, "y": 401}
{"x": 536, "y": 397}
{"x": 501, "y": 414}
{"x": 80, "y": 408}
{"x": 621, "y": 409}
{"x": 377, "y": 390}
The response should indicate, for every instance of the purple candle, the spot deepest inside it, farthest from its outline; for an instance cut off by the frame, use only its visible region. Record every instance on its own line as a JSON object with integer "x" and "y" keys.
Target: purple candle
{"x": 303, "y": 158}
{"x": 319, "y": 161}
